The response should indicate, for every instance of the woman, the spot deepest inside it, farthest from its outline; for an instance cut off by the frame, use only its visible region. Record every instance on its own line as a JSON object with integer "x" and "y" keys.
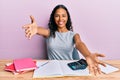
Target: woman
{"x": 62, "y": 42}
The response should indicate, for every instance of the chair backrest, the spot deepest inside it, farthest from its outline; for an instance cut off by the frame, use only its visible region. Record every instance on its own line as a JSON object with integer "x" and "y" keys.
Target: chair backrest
{"x": 76, "y": 54}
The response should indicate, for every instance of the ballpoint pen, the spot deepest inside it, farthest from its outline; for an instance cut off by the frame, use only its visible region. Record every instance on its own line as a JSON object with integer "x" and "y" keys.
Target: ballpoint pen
{"x": 45, "y": 63}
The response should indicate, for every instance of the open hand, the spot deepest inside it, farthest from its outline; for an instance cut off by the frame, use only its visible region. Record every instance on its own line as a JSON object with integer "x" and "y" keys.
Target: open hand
{"x": 93, "y": 63}
{"x": 30, "y": 29}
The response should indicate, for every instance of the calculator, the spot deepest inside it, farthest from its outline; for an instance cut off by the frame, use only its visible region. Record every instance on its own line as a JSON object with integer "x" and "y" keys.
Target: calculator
{"x": 77, "y": 65}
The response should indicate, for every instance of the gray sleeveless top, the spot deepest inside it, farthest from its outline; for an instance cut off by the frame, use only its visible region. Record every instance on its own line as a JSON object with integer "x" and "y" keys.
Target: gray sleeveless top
{"x": 62, "y": 46}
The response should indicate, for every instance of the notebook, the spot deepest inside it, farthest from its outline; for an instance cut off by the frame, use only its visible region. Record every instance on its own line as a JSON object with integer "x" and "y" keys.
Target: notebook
{"x": 10, "y": 67}
{"x": 56, "y": 68}
{"x": 25, "y": 64}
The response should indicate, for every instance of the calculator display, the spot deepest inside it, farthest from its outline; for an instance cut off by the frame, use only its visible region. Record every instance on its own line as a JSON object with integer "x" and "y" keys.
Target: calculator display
{"x": 81, "y": 64}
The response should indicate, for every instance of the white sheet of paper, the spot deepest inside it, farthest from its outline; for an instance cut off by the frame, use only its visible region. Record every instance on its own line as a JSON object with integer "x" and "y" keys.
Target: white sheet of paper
{"x": 108, "y": 69}
{"x": 52, "y": 68}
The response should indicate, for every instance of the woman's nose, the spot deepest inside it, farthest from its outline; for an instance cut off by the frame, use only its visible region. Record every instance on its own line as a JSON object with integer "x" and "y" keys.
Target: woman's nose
{"x": 60, "y": 18}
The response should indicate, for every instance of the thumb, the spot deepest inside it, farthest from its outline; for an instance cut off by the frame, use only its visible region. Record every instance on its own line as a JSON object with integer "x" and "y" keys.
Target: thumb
{"x": 100, "y": 55}
{"x": 32, "y": 19}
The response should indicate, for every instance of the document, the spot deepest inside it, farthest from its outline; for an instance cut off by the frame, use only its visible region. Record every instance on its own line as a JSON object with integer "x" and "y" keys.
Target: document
{"x": 108, "y": 69}
{"x": 55, "y": 68}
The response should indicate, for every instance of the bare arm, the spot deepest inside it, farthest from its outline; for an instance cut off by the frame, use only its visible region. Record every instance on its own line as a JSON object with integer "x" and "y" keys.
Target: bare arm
{"x": 32, "y": 29}
{"x": 92, "y": 59}
{"x": 81, "y": 46}
{"x": 42, "y": 31}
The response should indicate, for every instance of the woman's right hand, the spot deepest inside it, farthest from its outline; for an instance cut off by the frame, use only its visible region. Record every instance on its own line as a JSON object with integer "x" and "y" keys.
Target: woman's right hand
{"x": 30, "y": 29}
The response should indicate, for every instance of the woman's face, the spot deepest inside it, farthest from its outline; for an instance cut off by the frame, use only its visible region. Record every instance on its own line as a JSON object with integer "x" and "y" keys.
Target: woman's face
{"x": 61, "y": 17}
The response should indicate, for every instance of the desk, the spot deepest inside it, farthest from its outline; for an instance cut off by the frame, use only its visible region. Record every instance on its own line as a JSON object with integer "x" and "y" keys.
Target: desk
{"x": 4, "y": 75}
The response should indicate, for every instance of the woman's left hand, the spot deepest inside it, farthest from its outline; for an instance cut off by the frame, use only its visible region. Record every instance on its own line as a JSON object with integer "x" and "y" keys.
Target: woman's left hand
{"x": 93, "y": 63}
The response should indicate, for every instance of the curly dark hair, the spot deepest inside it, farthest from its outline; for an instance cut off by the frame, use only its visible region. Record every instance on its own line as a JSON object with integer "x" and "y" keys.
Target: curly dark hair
{"x": 52, "y": 25}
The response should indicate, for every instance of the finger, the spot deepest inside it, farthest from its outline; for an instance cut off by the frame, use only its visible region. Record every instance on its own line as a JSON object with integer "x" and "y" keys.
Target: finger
{"x": 91, "y": 71}
{"x": 27, "y": 30}
{"x": 32, "y": 19}
{"x": 100, "y": 55}
{"x": 26, "y": 26}
{"x": 103, "y": 64}
{"x": 28, "y": 35}
{"x": 95, "y": 70}
{"x": 99, "y": 70}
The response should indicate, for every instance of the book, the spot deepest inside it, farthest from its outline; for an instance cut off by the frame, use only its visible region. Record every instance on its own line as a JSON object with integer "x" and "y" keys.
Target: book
{"x": 56, "y": 68}
{"x": 25, "y": 64}
{"x": 10, "y": 67}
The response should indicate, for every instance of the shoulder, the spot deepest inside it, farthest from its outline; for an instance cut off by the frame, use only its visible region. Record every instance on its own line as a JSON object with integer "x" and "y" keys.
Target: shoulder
{"x": 77, "y": 37}
{"x": 72, "y": 33}
{"x": 47, "y": 33}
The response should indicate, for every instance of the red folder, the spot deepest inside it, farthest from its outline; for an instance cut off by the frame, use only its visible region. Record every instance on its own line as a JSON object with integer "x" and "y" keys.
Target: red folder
{"x": 25, "y": 64}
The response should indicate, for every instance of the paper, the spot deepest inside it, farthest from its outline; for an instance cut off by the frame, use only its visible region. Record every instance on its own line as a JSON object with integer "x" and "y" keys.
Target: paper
{"x": 108, "y": 69}
{"x": 55, "y": 68}
{"x": 52, "y": 68}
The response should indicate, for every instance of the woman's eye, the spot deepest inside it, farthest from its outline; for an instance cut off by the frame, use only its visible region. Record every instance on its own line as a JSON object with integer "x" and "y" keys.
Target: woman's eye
{"x": 64, "y": 15}
{"x": 60, "y": 15}
{"x": 56, "y": 15}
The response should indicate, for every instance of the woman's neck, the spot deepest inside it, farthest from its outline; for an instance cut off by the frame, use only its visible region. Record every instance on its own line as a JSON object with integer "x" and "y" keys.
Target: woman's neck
{"x": 63, "y": 29}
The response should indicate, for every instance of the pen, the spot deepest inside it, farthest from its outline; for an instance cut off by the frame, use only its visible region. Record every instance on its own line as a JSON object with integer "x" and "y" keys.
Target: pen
{"x": 45, "y": 63}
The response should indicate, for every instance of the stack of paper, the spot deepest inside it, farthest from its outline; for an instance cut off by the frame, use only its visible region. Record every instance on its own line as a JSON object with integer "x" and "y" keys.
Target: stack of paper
{"x": 21, "y": 65}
